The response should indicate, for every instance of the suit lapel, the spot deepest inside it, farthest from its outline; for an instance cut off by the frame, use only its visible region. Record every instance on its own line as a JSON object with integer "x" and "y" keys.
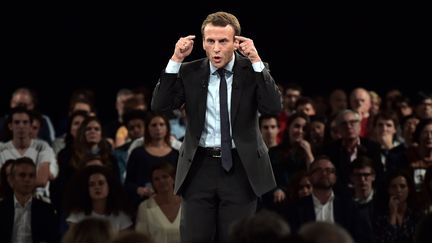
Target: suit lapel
{"x": 10, "y": 215}
{"x": 238, "y": 77}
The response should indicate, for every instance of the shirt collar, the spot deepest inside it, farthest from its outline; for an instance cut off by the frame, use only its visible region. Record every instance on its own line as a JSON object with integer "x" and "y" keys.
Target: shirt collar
{"x": 366, "y": 200}
{"x": 27, "y": 204}
{"x": 228, "y": 67}
{"x": 316, "y": 201}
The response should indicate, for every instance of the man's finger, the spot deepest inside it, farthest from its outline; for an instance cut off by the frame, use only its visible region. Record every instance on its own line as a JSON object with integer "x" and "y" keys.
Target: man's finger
{"x": 190, "y": 37}
{"x": 240, "y": 38}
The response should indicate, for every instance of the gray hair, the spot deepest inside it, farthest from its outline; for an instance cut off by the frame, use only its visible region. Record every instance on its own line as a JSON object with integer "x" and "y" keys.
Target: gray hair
{"x": 341, "y": 114}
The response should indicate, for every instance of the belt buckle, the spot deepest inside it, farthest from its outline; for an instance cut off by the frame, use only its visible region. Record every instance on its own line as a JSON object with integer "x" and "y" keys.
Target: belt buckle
{"x": 216, "y": 152}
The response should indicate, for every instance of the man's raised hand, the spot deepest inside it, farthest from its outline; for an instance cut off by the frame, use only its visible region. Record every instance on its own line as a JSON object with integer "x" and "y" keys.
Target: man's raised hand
{"x": 247, "y": 48}
{"x": 183, "y": 48}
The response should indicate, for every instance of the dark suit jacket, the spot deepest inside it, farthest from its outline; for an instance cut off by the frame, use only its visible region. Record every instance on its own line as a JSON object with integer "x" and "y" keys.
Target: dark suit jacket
{"x": 341, "y": 160}
{"x": 43, "y": 221}
{"x": 251, "y": 92}
{"x": 345, "y": 213}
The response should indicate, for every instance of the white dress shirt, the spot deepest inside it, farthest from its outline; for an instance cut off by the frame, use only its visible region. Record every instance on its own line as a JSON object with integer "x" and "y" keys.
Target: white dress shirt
{"x": 324, "y": 212}
{"x": 211, "y": 135}
{"x": 21, "y": 232}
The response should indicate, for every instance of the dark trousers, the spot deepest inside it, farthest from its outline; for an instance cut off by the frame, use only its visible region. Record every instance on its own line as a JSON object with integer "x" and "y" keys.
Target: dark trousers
{"x": 213, "y": 199}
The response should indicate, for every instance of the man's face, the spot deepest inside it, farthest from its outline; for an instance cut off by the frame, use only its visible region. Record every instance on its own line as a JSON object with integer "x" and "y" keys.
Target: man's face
{"x": 426, "y": 137}
{"x": 23, "y": 179}
{"x": 317, "y": 130}
{"x": 424, "y": 109}
{"x": 360, "y": 101}
{"x": 22, "y": 99}
{"x": 385, "y": 127}
{"x": 362, "y": 179}
{"x": 323, "y": 174}
{"x": 290, "y": 98}
{"x": 219, "y": 44}
{"x": 269, "y": 129}
{"x": 20, "y": 125}
{"x": 135, "y": 128}
{"x": 338, "y": 100}
{"x": 35, "y": 127}
{"x": 349, "y": 126}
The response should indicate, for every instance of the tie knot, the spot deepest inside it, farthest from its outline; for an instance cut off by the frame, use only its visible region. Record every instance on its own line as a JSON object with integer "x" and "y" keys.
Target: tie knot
{"x": 221, "y": 72}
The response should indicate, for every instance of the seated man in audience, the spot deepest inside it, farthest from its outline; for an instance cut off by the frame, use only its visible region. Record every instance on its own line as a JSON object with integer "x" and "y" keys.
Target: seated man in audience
{"x": 269, "y": 128}
{"x": 22, "y": 145}
{"x": 25, "y": 97}
{"x": 343, "y": 151}
{"x": 324, "y": 205}
{"x": 24, "y": 218}
{"x": 362, "y": 177}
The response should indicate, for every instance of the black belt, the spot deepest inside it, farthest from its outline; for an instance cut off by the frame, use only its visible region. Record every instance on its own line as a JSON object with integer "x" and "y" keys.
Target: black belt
{"x": 214, "y": 152}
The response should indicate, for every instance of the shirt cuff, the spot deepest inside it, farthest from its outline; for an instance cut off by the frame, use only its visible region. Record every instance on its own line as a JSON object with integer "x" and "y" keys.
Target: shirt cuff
{"x": 258, "y": 66}
{"x": 172, "y": 67}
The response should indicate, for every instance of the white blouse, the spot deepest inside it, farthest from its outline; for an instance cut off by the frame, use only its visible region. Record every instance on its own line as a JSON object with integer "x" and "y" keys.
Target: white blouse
{"x": 118, "y": 222}
{"x": 152, "y": 221}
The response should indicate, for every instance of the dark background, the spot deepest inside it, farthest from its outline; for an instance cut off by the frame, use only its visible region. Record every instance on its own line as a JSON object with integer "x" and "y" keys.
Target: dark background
{"x": 109, "y": 46}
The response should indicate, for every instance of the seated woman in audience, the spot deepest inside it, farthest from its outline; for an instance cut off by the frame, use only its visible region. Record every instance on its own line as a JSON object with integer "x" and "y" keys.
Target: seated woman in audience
{"x": 66, "y": 168}
{"x": 157, "y": 149}
{"x": 90, "y": 141}
{"x": 292, "y": 155}
{"x": 418, "y": 158}
{"x": 300, "y": 186}
{"x": 95, "y": 192}
{"x": 159, "y": 216}
{"x": 408, "y": 127}
{"x": 397, "y": 214}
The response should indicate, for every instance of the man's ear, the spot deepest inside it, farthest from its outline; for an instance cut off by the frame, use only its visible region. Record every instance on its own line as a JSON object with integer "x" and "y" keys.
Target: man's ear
{"x": 10, "y": 181}
{"x": 236, "y": 44}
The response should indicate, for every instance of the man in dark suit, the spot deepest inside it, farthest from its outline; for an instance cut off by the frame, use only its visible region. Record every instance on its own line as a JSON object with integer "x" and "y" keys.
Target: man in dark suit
{"x": 324, "y": 205}
{"x": 24, "y": 218}
{"x": 223, "y": 164}
{"x": 349, "y": 147}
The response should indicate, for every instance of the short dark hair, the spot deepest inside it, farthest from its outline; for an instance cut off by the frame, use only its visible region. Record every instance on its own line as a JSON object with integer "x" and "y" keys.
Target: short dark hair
{"x": 222, "y": 19}
{"x": 318, "y": 158}
{"x": 265, "y": 226}
{"x": 361, "y": 162}
{"x": 267, "y": 117}
{"x": 19, "y": 110}
{"x": 22, "y": 161}
{"x": 134, "y": 114}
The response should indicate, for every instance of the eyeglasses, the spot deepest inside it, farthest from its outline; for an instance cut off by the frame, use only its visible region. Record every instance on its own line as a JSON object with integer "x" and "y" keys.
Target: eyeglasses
{"x": 322, "y": 170}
